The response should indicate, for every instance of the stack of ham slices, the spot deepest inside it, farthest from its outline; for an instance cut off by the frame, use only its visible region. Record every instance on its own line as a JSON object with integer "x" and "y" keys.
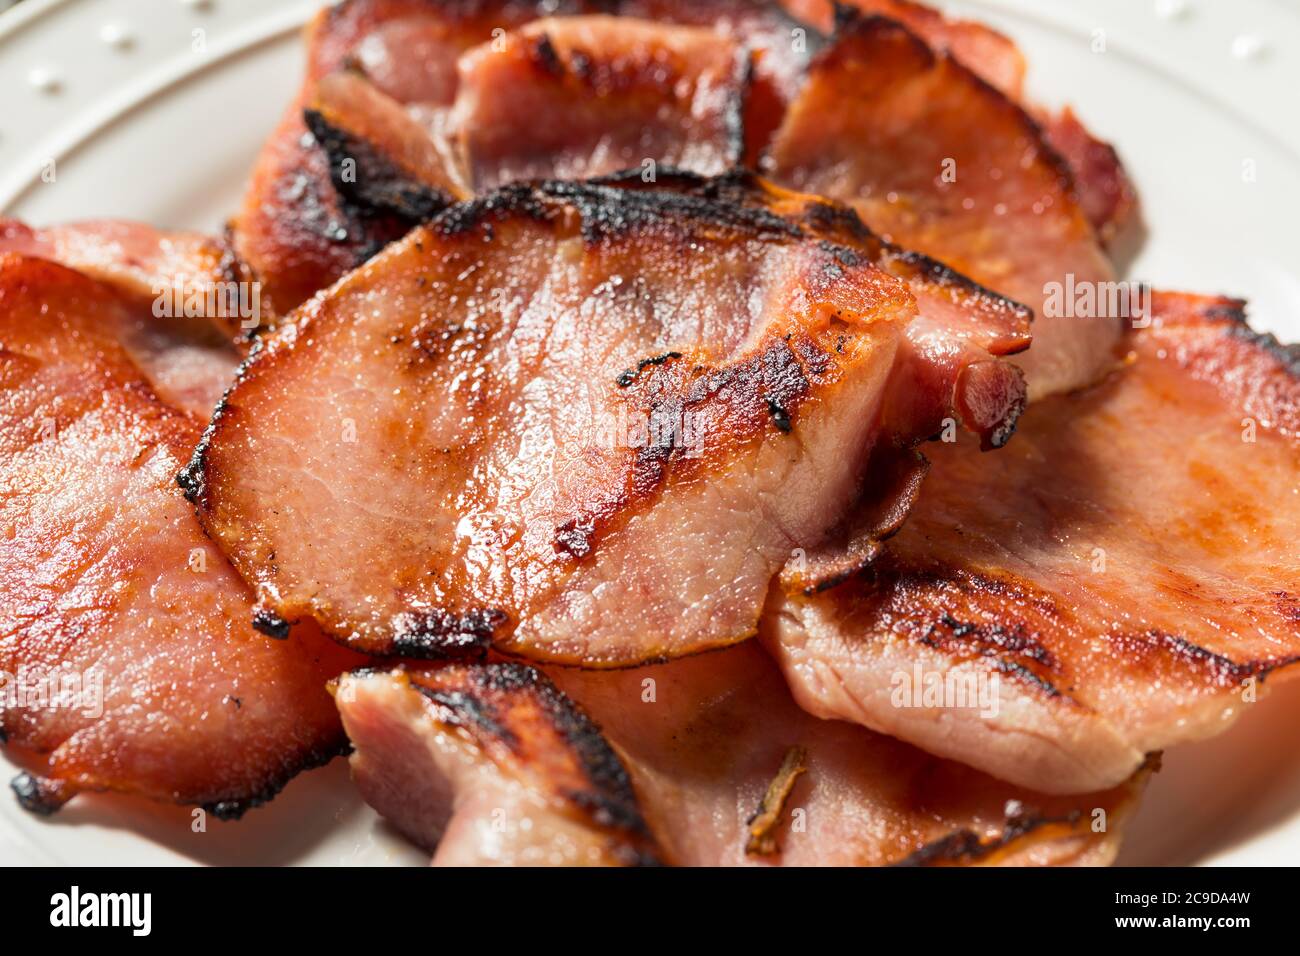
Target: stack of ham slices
{"x": 661, "y": 441}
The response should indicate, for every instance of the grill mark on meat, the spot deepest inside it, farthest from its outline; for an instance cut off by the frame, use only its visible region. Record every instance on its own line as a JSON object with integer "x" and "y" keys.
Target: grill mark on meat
{"x": 527, "y": 728}
{"x": 1145, "y": 652}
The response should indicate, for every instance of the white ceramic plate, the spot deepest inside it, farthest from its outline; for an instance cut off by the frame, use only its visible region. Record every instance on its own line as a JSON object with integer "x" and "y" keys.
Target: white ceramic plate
{"x": 154, "y": 110}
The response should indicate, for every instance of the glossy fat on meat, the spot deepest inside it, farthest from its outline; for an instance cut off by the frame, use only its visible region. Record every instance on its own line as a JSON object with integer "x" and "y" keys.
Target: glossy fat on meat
{"x": 491, "y": 764}
{"x": 1125, "y": 571}
{"x": 109, "y": 588}
{"x": 619, "y": 412}
{"x": 575, "y": 97}
{"x": 936, "y": 160}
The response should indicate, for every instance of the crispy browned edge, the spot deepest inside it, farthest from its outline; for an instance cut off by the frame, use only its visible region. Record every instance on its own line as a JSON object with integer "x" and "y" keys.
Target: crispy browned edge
{"x": 513, "y": 706}
{"x": 1022, "y": 826}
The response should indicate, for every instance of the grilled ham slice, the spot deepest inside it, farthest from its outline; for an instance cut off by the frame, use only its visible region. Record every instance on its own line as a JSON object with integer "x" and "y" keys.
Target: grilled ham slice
{"x": 383, "y": 77}
{"x": 1125, "y": 570}
{"x": 938, "y": 161}
{"x": 187, "y": 304}
{"x": 577, "y": 382}
{"x": 124, "y": 635}
{"x": 708, "y": 763}
{"x": 632, "y": 94}
{"x": 297, "y": 233}
{"x": 490, "y": 765}
{"x": 1107, "y": 195}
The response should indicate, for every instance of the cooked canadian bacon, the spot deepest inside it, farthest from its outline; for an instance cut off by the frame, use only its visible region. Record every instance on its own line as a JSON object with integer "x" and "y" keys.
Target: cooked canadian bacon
{"x": 183, "y": 304}
{"x": 623, "y": 93}
{"x": 1108, "y": 197}
{"x": 576, "y": 383}
{"x": 992, "y": 56}
{"x": 938, "y": 161}
{"x": 947, "y": 363}
{"x": 125, "y": 638}
{"x": 381, "y": 158}
{"x": 490, "y": 765}
{"x": 294, "y": 229}
{"x": 1123, "y": 575}
{"x": 715, "y": 766}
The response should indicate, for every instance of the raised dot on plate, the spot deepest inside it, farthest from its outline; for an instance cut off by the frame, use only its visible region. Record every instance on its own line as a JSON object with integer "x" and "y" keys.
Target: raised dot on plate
{"x": 1247, "y": 47}
{"x": 44, "y": 79}
{"x": 1171, "y": 9}
{"x": 197, "y": 4}
{"x": 116, "y": 36}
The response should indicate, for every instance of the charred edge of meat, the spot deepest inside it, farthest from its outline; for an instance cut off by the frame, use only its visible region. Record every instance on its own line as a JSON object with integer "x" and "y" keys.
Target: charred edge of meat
{"x": 232, "y": 267}
{"x": 439, "y": 634}
{"x": 271, "y": 624}
{"x": 823, "y": 217}
{"x": 191, "y": 478}
{"x": 378, "y": 185}
{"x": 734, "y": 117}
{"x": 765, "y": 820}
{"x": 607, "y": 211}
{"x": 301, "y": 202}
{"x": 1225, "y": 671}
{"x": 1287, "y": 354}
{"x": 966, "y": 846}
{"x": 38, "y": 795}
{"x": 851, "y": 22}
{"x": 610, "y": 800}
{"x": 1006, "y": 428}
{"x": 44, "y": 796}
{"x": 232, "y": 808}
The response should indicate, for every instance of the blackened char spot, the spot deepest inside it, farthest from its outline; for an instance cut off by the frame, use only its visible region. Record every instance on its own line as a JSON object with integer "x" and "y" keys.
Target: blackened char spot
{"x": 546, "y": 57}
{"x": 780, "y": 417}
{"x": 38, "y": 795}
{"x": 375, "y": 185}
{"x": 271, "y": 624}
{"x": 965, "y": 846}
{"x": 440, "y": 634}
{"x": 628, "y": 377}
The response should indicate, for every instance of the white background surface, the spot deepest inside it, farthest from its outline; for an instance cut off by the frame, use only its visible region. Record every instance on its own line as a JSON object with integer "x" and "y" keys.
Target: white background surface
{"x": 143, "y": 125}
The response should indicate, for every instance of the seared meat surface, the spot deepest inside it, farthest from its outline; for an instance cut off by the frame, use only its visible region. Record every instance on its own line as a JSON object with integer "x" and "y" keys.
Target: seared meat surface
{"x": 125, "y": 635}
{"x": 576, "y": 383}
{"x": 1124, "y": 572}
{"x": 704, "y": 761}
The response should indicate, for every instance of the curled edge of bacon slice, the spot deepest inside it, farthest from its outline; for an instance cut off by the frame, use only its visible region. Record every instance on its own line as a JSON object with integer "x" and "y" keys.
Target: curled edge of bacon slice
{"x": 936, "y": 160}
{"x": 1125, "y": 571}
{"x": 129, "y": 659}
{"x": 701, "y": 762}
